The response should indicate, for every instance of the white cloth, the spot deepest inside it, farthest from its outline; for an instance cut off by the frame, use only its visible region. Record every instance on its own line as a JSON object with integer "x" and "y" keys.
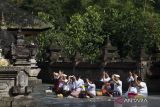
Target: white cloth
{"x": 91, "y": 88}
{"x": 78, "y": 84}
{"x": 143, "y": 89}
{"x": 61, "y": 84}
{"x": 132, "y": 90}
{"x": 66, "y": 87}
{"x": 105, "y": 79}
{"x": 71, "y": 86}
{"x": 130, "y": 79}
{"x": 118, "y": 87}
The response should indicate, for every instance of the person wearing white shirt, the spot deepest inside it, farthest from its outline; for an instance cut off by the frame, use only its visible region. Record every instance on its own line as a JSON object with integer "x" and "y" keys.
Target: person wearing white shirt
{"x": 117, "y": 85}
{"x": 105, "y": 77}
{"x": 141, "y": 87}
{"x": 132, "y": 90}
{"x": 91, "y": 88}
{"x": 130, "y": 78}
{"x": 78, "y": 85}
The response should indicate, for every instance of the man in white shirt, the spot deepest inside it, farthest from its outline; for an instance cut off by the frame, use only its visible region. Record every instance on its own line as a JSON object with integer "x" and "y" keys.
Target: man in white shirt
{"x": 117, "y": 85}
{"x": 78, "y": 85}
{"x": 141, "y": 87}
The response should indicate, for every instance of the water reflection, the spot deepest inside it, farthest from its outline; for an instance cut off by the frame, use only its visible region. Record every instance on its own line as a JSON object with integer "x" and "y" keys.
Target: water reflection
{"x": 98, "y": 104}
{"x": 44, "y": 100}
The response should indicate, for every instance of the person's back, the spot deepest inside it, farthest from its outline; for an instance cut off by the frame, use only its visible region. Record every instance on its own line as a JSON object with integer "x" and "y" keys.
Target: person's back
{"x": 79, "y": 84}
{"x": 141, "y": 87}
{"x": 143, "y": 90}
{"x": 80, "y": 81}
{"x": 132, "y": 88}
{"x": 92, "y": 88}
{"x": 105, "y": 77}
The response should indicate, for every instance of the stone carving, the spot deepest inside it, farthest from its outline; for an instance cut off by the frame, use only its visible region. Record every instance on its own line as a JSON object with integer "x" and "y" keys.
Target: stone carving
{"x": 22, "y": 79}
{"x": 110, "y": 53}
{"x": 13, "y": 81}
{"x": 23, "y": 55}
{"x": 3, "y": 85}
{"x": 20, "y": 52}
{"x": 34, "y": 70}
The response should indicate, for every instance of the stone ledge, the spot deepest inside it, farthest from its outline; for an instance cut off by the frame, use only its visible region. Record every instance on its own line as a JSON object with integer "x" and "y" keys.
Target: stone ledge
{"x": 34, "y": 81}
{"x": 18, "y": 101}
{"x": 13, "y": 68}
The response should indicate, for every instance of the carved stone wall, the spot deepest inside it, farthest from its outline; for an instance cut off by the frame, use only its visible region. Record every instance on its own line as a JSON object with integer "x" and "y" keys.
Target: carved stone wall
{"x": 13, "y": 81}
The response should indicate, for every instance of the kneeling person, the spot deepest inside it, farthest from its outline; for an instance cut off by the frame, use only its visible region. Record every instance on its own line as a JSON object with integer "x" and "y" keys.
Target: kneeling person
{"x": 141, "y": 87}
{"x": 91, "y": 88}
{"x": 117, "y": 85}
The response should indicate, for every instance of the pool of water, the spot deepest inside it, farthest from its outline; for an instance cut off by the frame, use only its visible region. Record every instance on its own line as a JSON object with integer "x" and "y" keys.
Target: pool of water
{"x": 50, "y": 100}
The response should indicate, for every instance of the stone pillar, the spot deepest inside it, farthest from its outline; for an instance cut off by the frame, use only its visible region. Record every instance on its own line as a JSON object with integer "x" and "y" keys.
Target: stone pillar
{"x": 34, "y": 71}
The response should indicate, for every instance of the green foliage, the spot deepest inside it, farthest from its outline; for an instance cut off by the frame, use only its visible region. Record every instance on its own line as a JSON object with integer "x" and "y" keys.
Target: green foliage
{"x": 83, "y": 34}
{"x": 83, "y": 25}
{"x": 131, "y": 28}
{"x": 46, "y": 39}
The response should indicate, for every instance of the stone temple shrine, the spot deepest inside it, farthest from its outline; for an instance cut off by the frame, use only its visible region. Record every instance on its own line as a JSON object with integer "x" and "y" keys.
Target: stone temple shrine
{"x": 18, "y": 69}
